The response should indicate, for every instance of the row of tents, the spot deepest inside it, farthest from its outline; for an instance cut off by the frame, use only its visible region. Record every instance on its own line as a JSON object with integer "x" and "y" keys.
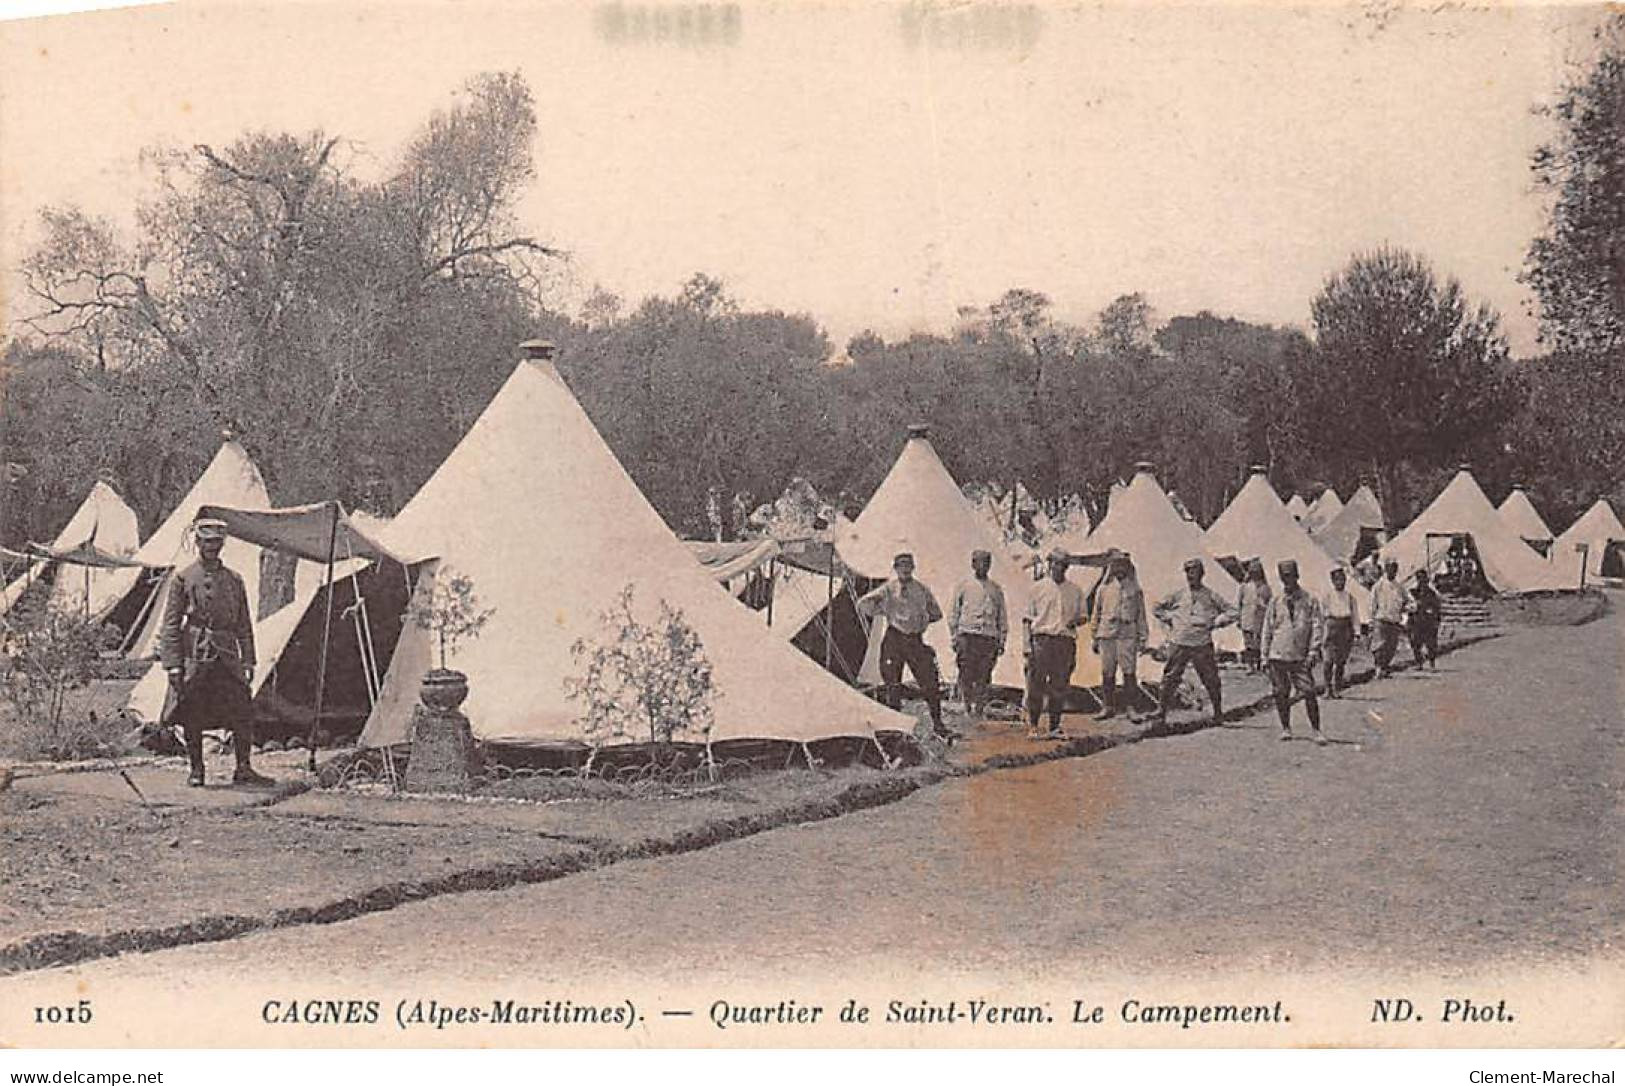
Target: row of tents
{"x": 1590, "y": 550}
{"x": 534, "y": 509}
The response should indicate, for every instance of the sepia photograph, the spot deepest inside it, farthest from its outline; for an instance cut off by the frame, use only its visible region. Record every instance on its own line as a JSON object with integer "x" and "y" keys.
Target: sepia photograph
{"x": 813, "y": 524}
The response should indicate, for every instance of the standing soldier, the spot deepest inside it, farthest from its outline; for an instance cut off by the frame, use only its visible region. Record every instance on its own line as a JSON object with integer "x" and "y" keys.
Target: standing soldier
{"x": 1191, "y": 615}
{"x": 1054, "y": 613}
{"x": 908, "y": 607}
{"x": 1120, "y": 630}
{"x": 1294, "y": 634}
{"x": 1426, "y": 612}
{"x": 1251, "y": 603}
{"x": 1387, "y": 614}
{"x": 1342, "y": 621}
{"x": 207, "y": 647}
{"x": 980, "y": 627}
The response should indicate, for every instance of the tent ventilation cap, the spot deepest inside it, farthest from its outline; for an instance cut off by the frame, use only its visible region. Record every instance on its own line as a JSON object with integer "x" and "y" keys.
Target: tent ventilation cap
{"x": 1258, "y": 469}
{"x": 1145, "y": 467}
{"x": 538, "y": 350}
{"x": 919, "y": 429}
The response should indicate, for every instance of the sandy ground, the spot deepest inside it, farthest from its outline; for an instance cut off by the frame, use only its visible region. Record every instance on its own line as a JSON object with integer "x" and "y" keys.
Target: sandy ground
{"x": 1460, "y": 820}
{"x": 93, "y": 851}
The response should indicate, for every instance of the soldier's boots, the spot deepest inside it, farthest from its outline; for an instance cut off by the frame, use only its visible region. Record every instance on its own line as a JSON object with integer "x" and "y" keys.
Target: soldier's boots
{"x": 194, "y": 755}
{"x": 243, "y": 745}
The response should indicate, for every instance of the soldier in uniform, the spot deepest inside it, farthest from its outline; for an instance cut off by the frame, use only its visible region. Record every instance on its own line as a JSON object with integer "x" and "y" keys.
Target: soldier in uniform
{"x": 207, "y": 647}
{"x": 908, "y": 607}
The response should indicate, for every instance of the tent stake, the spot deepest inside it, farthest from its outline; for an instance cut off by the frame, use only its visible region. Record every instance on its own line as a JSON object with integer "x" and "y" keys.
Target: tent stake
{"x": 327, "y": 628}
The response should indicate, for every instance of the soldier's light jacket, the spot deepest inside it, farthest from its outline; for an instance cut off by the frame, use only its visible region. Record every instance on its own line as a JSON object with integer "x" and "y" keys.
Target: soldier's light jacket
{"x": 206, "y": 617}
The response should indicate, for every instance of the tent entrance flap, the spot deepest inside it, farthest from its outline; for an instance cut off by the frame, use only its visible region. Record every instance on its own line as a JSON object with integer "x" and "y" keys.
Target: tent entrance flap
{"x": 368, "y": 609}
{"x": 1453, "y": 560}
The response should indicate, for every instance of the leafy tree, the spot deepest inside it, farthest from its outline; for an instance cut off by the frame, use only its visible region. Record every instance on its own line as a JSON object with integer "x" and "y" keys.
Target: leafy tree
{"x": 1406, "y": 374}
{"x": 1257, "y": 373}
{"x": 345, "y": 330}
{"x": 1567, "y": 439}
{"x": 697, "y": 397}
{"x": 1577, "y": 267}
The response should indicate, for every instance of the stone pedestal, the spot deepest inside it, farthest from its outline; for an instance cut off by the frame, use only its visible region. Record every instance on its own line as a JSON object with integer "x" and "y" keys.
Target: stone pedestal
{"x": 443, "y": 754}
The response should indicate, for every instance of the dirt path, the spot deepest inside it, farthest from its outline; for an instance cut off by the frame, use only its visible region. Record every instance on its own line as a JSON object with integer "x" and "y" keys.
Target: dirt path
{"x": 1462, "y": 818}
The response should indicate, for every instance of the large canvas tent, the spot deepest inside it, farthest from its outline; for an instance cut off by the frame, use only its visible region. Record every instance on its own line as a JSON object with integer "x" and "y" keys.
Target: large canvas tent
{"x": 1597, "y": 528}
{"x": 230, "y": 479}
{"x": 534, "y": 509}
{"x": 1256, "y": 525}
{"x": 920, "y": 509}
{"x": 1360, "y": 518}
{"x": 1142, "y": 522}
{"x": 102, "y": 526}
{"x": 1461, "y": 509}
{"x": 1524, "y": 520}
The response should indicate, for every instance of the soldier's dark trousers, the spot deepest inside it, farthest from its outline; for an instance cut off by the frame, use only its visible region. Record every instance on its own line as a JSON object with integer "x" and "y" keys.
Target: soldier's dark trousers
{"x": 1206, "y": 664}
{"x": 976, "y": 655}
{"x": 1339, "y": 643}
{"x": 1387, "y": 643}
{"x": 1287, "y": 676}
{"x": 898, "y": 649}
{"x": 215, "y": 697}
{"x": 1054, "y": 656}
{"x": 1424, "y": 636}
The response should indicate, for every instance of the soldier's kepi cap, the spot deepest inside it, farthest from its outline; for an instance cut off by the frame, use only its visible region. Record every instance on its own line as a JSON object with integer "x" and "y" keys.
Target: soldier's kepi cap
{"x": 1288, "y": 565}
{"x": 209, "y": 528}
{"x": 980, "y": 553}
{"x": 1194, "y": 563}
{"x": 900, "y": 555}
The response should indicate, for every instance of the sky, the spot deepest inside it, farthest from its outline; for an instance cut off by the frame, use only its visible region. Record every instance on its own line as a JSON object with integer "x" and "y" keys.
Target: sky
{"x": 874, "y": 165}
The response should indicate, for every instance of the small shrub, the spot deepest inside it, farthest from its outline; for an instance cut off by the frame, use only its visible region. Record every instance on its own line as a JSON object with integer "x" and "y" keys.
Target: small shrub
{"x": 52, "y": 656}
{"x": 642, "y": 679}
{"x": 450, "y": 611}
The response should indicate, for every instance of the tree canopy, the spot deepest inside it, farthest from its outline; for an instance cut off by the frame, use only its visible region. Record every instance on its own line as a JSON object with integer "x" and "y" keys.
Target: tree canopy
{"x": 348, "y": 329}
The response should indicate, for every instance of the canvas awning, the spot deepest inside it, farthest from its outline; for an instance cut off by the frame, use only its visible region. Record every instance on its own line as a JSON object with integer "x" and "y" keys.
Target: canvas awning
{"x": 725, "y": 561}
{"x": 813, "y": 554}
{"x": 86, "y": 554}
{"x": 302, "y": 530}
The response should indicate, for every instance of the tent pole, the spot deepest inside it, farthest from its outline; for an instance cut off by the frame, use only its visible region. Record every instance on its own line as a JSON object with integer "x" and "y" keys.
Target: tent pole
{"x": 829, "y": 605}
{"x": 133, "y": 638}
{"x": 327, "y": 629}
{"x": 772, "y": 585}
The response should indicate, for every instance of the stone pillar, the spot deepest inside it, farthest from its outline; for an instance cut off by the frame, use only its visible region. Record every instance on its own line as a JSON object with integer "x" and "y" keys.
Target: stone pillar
{"x": 444, "y": 758}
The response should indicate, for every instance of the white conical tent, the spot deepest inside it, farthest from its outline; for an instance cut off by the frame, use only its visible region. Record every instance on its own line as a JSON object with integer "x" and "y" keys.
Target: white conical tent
{"x": 1322, "y": 510}
{"x": 230, "y": 479}
{"x": 1510, "y": 565}
{"x": 1341, "y": 535}
{"x": 919, "y": 508}
{"x": 1595, "y": 528}
{"x": 1297, "y": 507}
{"x": 534, "y": 509}
{"x": 102, "y": 521}
{"x": 1142, "y": 522}
{"x": 1520, "y": 515}
{"x": 1256, "y": 525}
